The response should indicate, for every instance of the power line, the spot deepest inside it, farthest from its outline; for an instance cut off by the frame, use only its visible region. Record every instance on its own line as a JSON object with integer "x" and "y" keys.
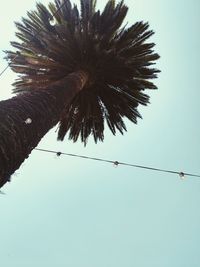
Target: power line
{"x": 5, "y": 69}
{"x": 52, "y": 16}
{"x": 117, "y": 163}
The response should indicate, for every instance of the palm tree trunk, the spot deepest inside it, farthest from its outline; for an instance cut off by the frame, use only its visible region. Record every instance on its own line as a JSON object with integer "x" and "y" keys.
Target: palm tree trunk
{"x": 27, "y": 117}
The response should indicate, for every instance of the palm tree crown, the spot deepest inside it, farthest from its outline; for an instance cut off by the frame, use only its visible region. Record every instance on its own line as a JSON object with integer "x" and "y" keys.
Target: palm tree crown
{"x": 62, "y": 39}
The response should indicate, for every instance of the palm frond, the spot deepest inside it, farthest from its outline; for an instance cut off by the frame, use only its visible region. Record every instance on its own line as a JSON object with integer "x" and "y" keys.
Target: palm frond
{"x": 117, "y": 59}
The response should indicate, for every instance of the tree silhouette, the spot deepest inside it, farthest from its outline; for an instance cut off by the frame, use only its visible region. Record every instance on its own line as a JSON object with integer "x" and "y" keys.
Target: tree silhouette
{"x": 79, "y": 68}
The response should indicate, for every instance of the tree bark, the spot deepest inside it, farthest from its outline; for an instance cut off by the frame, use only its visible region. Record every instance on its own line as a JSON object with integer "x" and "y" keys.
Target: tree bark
{"x": 27, "y": 117}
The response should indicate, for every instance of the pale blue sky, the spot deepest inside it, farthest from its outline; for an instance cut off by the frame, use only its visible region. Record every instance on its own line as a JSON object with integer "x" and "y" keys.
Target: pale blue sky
{"x": 79, "y": 213}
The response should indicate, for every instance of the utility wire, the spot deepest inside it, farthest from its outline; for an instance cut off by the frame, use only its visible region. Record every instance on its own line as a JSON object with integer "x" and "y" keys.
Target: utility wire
{"x": 116, "y": 163}
{"x": 5, "y": 68}
{"x": 52, "y": 16}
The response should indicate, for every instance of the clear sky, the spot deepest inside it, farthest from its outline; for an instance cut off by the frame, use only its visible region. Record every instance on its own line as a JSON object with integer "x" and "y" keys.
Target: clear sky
{"x": 79, "y": 213}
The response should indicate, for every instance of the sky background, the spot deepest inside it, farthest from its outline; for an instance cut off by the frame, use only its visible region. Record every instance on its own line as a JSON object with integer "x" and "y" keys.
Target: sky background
{"x": 80, "y": 213}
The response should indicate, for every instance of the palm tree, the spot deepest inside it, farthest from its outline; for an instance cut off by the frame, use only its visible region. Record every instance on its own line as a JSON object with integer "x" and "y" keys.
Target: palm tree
{"x": 78, "y": 68}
